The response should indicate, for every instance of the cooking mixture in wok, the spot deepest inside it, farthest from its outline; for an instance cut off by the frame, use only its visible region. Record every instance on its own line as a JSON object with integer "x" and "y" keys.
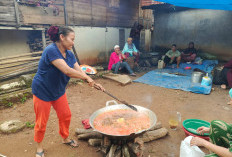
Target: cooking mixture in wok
{"x": 121, "y": 122}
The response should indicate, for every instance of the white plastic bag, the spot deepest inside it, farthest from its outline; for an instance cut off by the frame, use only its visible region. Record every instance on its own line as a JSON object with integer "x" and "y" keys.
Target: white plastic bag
{"x": 190, "y": 151}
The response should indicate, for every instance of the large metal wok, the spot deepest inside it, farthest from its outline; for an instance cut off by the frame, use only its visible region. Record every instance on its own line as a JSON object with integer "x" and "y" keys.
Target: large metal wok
{"x": 151, "y": 115}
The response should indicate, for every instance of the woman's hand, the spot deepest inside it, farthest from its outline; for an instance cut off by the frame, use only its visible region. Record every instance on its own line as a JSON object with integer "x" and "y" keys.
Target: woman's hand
{"x": 196, "y": 141}
{"x": 90, "y": 81}
{"x": 94, "y": 84}
{"x": 203, "y": 130}
{"x": 99, "y": 87}
{"x": 172, "y": 58}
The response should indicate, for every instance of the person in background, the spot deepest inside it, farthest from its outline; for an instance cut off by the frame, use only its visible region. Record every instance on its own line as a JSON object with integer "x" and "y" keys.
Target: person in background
{"x": 130, "y": 50}
{"x": 189, "y": 54}
{"x": 56, "y": 66}
{"x": 220, "y": 134}
{"x": 135, "y": 34}
{"x": 224, "y": 78}
{"x": 173, "y": 56}
{"x": 117, "y": 62}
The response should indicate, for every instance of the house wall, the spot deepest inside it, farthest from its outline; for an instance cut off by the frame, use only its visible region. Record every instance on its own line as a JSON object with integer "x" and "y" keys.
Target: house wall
{"x": 101, "y": 13}
{"x": 95, "y": 13}
{"x": 94, "y": 44}
{"x": 7, "y": 12}
{"x": 210, "y": 30}
{"x": 13, "y": 42}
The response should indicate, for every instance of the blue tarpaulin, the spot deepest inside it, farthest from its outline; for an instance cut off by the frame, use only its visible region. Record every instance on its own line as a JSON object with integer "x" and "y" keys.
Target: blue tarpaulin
{"x": 167, "y": 78}
{"x": 202, "y": 4}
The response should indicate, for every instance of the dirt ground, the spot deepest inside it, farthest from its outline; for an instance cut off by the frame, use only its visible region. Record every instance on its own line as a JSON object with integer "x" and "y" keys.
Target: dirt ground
{"x": 84, "y": 100}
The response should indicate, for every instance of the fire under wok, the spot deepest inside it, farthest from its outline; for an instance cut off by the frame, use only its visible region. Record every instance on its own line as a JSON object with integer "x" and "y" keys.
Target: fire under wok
{"x": 119, "y": 121}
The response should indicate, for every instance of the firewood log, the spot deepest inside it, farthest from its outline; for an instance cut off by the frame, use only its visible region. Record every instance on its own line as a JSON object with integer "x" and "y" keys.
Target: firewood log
{"x": 125, "y": 151}
{"x": 112, "y": 150}
{"x": 104, "y": 150}
{"x": 157, "y": 126}
{"x": 118, "y": 152}
{"x": 89, "y": 135}
{"x": 83, "y": 131}
{"x": 106, "y": 142}
{"x": 153, "y": 135}
{"x": 136, "y": 149}
{"x": 95, "y": 142}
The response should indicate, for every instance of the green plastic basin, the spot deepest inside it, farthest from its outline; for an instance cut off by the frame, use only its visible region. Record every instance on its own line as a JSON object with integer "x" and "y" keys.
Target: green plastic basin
{"x": 192, "y": 125}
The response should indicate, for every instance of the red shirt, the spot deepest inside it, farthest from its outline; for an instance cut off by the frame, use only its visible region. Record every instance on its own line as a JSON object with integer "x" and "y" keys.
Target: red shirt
{"x": 114, "y": 58}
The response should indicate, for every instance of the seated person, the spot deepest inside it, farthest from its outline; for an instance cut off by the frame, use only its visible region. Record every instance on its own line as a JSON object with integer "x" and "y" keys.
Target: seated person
{"x": 220, "y": 136}
{"x": 225, "y": 77}
{"x": 130, "y": 50}
{"x": 117, "y": 62}
{"x": 173, "y": 56}
{"x": 189, "y": 54}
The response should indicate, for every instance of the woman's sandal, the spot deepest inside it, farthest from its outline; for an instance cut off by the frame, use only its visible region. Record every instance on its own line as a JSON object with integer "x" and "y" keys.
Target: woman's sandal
{"x": 71, "y": 144}
{"x": 41, "y": 154}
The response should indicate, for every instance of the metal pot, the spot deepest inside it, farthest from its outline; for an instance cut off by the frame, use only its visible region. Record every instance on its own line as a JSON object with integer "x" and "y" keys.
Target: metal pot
{"x": 151, "y": 114}
{"x": 197, "y": 77}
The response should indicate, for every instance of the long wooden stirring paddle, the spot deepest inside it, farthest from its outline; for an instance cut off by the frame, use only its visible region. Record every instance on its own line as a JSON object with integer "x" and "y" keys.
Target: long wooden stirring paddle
{"x": 123, "y": 102}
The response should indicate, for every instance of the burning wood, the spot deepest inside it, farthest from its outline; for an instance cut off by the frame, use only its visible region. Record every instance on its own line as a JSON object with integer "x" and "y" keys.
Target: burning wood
{"x": 114, "y": 147}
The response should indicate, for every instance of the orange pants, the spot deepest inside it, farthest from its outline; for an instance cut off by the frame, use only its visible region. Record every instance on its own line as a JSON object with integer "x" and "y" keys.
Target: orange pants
{"x": 42, "y": 111}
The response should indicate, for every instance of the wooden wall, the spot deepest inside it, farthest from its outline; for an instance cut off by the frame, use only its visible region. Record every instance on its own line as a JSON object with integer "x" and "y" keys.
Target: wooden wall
{"x": 42, "y": 15}
{"x": 99, "y": 13}
{"x": 7, "y": 12}
{"x": 95, "y": 13}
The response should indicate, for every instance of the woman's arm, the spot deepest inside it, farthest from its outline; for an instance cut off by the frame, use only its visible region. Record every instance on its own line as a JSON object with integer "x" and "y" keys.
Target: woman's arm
{"x": 220, "y": 151}
{"x": 134, "y": 48}
{"x": 78, "y": 68}
{"x": 73, "y": 73}
{"x": 124, "y": 49}
{"x": 123, "y": 56}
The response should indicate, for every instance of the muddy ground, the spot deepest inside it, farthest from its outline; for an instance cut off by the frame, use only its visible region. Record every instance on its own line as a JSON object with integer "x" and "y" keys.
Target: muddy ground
{"x": 84, "y": 100}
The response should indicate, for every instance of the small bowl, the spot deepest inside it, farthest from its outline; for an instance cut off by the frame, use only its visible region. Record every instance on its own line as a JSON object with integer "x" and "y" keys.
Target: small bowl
{"x": 190, "y": 134}
{"x": 188, "y": 62}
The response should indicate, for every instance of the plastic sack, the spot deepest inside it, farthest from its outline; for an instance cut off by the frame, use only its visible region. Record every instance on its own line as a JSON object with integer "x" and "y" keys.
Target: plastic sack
{"x": 190, "y": 151}
{"x": 198, "y": 60}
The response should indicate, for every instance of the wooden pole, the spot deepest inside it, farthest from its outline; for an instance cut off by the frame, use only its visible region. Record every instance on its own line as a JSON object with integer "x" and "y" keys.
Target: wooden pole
{"x": 14, "y": 65}
{"x": 16, "y": 13}
{"x": 20, "y": 60}
{"x": 43, "y": 39}
{"x": 22, "y": 55}
{"x": 65, "y": 14}
{"x": 75, "y": 53}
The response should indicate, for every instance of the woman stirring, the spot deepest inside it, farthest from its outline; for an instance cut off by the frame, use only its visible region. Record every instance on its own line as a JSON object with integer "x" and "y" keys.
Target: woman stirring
{"x": 57, "y": 65}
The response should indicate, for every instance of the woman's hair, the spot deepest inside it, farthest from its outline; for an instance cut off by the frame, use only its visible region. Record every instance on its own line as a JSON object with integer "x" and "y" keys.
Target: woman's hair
{"x": 129, "y": 39}
{"x": 174, "y": 45}
{"x": 191, "y": 43}
{"x": 54, "y": 32}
